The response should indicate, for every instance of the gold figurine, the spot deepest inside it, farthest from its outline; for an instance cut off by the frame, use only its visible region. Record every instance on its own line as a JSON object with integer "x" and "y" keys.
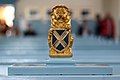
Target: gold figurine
{"x": 60, "y": 39}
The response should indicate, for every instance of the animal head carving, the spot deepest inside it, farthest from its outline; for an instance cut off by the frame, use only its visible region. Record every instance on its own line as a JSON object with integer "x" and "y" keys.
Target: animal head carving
{"x": 60, "y": 17}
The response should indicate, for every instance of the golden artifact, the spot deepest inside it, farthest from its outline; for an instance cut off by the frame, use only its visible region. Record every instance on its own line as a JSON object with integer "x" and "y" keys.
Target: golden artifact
{"x": 60, "y": 39}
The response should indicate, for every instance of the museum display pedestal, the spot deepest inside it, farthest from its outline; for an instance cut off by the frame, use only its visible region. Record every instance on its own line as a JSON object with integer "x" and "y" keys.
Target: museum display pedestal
{"x": 59, "y": 67}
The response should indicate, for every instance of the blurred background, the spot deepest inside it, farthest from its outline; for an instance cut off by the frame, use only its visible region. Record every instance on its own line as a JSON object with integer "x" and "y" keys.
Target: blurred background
{"x": 31, "y": 17}
{"x": 24, "y": 26}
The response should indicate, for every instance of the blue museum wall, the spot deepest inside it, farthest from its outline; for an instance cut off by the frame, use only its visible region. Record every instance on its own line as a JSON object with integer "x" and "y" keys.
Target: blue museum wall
{"x": 7, "y": 1}
{"x": 42, "y": 27}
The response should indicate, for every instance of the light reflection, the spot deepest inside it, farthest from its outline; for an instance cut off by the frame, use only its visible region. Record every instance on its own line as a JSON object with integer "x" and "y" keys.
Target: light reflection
{"x": 9, "y": 15}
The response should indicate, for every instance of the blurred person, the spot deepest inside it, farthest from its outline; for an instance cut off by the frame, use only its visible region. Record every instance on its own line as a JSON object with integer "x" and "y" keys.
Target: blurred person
{"x": 30, "y": 31}
{"x": 83, "y": 28}
{"x": 98, "y": 24}
{"x": 107, "y": 29}
{"x": 86, "y": 31}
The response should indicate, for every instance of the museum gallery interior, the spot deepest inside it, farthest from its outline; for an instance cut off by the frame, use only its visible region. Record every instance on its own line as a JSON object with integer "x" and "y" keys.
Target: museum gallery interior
{"x": 59, "y": 39}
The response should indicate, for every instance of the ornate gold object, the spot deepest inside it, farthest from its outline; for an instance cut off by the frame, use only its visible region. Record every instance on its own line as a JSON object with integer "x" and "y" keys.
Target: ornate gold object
{"x": 60, "y": 39}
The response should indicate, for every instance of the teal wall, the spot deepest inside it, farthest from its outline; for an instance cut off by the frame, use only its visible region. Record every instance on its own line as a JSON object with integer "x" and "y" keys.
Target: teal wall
{"x": 7, "y": 1}
{"x": 42, "y": 27}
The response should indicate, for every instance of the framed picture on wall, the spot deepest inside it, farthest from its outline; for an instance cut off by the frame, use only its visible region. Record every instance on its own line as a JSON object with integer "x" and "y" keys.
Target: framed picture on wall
{"x": 32, "y": 13}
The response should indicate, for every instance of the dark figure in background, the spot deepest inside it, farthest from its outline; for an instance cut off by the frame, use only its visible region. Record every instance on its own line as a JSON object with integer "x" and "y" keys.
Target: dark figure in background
{"x": 83, "y": 29}
{"x": 107, "y": 29}
{"x": 98, "y": 24}
{"x": 30, "y": 31}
